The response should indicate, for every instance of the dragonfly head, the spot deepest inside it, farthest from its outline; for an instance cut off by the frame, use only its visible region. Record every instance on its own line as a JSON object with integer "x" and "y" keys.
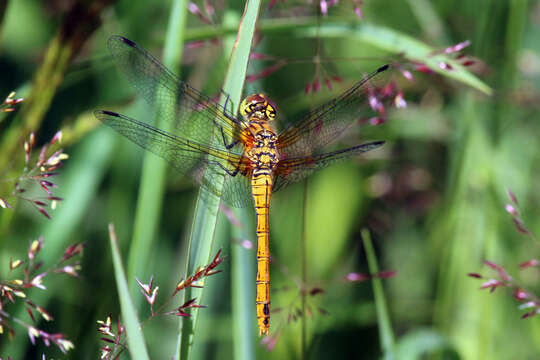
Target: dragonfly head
{"x": 258, "y": 106}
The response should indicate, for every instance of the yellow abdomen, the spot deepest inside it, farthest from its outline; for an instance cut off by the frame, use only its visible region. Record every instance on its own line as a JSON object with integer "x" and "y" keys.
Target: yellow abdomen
{"x": 261, "y": 187}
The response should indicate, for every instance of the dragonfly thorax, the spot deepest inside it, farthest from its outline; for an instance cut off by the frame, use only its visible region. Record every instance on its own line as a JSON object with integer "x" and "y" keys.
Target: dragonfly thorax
{"x": 265, "y": 138}
{"x": 264, "y": 154}
{"x": 257, "y": 106}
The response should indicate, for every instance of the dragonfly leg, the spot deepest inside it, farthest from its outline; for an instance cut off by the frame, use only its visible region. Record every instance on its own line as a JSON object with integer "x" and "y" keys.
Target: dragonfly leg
{"x": 228, "y": 97}
{"x": 227, "y": 146}
{"x": 230, "y": 172}
{"x": 226, "y": 101}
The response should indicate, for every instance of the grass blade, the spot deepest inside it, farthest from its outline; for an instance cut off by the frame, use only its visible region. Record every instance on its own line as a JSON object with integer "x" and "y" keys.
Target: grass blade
{"x": 383, "y": 319}
{"x": 204, "y": 222}
{"x": 243, "y": 288}
{"x": 242, "y": 269}
{"x": 154, "y": 170}
{"x": 135, "y": 339}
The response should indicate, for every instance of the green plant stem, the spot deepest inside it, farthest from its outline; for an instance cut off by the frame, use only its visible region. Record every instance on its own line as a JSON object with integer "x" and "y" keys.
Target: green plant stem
{"x": 303, "y": 255}
{"x": 135, "y": 339}
{"x": 517, "y": 18}
{"x": 243, "y": 269}
{"x": 204, "y": 222}
{"x": 243, "y": 289}
{"x": 154, "y": 171}
{"x": 383, "y": 319}
{"x": 242, "y": 266}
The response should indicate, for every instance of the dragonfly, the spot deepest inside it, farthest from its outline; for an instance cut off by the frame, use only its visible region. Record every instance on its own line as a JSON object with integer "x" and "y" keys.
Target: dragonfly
{"x": 208, "y": 142}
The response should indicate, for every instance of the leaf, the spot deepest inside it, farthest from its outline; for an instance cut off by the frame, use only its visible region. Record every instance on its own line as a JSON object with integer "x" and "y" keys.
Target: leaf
{"x": 135, "y": 339}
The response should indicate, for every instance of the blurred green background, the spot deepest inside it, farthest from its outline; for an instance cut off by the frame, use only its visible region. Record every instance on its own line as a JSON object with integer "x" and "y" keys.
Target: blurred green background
{"x": 433, "y": 197}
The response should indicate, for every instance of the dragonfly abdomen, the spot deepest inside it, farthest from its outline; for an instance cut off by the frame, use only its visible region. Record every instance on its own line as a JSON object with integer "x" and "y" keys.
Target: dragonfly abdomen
{"x": 261, "y": 187}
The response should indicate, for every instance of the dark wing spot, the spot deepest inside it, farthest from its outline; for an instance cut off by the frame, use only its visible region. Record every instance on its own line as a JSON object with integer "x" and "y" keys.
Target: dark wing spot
{"x": 110, "y": 113}
{"x": 128, "y": 42}
{"x": 383, "y": 68}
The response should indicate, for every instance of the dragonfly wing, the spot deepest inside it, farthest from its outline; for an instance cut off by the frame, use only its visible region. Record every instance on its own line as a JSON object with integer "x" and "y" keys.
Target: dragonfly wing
{"x": 326, "y": 123}
{"x": 237, "y": 191}
{"x": 292, "y": 170}
{"x": 158, "y": 86}
{"x": 206, "y": 164}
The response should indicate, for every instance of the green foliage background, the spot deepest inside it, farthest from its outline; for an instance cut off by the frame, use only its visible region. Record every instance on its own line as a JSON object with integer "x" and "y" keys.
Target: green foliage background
{"x": 449, "y": 158}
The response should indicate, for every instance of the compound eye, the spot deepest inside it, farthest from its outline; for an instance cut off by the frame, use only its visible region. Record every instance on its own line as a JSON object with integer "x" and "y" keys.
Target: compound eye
{"x": 270, "y": 112}
{"x": 251, "y": 107}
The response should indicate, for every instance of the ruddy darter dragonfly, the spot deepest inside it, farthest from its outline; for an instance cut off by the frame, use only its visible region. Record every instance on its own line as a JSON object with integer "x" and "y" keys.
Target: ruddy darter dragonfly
{"x": 208, "y": 142}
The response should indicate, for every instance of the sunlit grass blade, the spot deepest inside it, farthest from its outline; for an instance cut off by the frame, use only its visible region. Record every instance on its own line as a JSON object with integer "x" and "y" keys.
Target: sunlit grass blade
{"x": 242, "y": 266}
{"x": 234, "y": 85}
{"x": 135, "y": 339}
{"x": 154, "y": 171}
{"x": 383, "y": 318}
{"x": 243, "y": 289}
{"x": 303, "y": 255}
{"x": 208, "y": 328}
{"x": 207, "y": 206}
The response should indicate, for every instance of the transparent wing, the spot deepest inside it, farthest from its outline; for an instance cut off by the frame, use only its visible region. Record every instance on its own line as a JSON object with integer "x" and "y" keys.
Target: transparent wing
{"x": 326, "y": 123}
{"x": 157, "y": 85}
{"x": 292, "y": 170}
{"x": 205, "y": 164}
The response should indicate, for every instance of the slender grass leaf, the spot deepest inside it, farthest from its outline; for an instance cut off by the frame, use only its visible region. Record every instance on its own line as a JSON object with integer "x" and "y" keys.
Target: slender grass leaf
{"x": 383, "y": 318}
{"x": 153, "y": 177}
{"x": 135, "y": 339}
{"x": 207, "y": 206}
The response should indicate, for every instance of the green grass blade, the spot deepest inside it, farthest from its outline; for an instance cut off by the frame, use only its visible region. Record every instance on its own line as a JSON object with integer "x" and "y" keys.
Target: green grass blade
{"x": 200, "y": 247}
{"x": 135, "y": 339}
{"x": 242, "y": 270}
{"x": 208, "y": 333}
{"x": 207, "y": 206}
{"x": 153, "y": 178}
{"x": 243, "y": 287}
{"x": 383, "y": 318}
